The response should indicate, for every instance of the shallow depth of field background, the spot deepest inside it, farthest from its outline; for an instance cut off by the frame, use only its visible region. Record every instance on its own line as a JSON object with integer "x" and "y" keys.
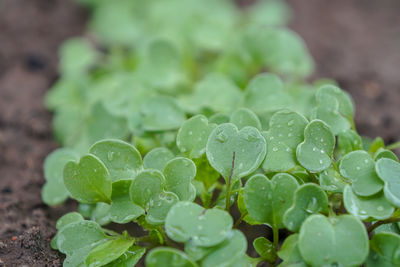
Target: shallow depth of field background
{"x": 356, "y": 42}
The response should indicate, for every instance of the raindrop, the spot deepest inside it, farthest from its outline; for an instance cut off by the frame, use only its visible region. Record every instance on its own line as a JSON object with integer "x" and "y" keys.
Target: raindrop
{"x": 275, "y": 149}
{"x": 221, "y": 137}
{"x": 314, "y": 149}
{"x": 379, "y": 208}
{"x": 190, "y": 133}
{"x": 110, "y": 155}
{"x": 290, "y": 123}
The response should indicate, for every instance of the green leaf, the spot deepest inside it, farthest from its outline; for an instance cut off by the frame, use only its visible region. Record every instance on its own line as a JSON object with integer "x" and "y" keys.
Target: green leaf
{"x": 331, "y": 180}
{"x": 308, "y": 199}
{"x": 108, "y": 252}
{"x": 248, "y": 145}
{"x": 205, "y": 172}
{"x": 179, "y": 173}
{"x": 265, "y": 93}
{"x": 65, "y": 220}
{"x": 359, "y": 168}
{"x": 76, "y": 56}
{"x": 389, "y": 171}
{"x": 376, "y": 206}
{"x": 88, "y": 181}
{"x": 219, "y": 118}
{"x": 290, "y": 254}
{"x": 79, "y": 235}
{"x": 215, "y": 92}
{"x": 316, "y": 151}
{"x": 189, "y": 221}
{"x": 243, "y": 210}
{"x": 228, "y": 252}
{"x": 193, "y": 135}
{"x": 341, "y": 240}
{"x": 265, "y": 249}
{"x": 161, "y": 113}
{"x": 245, "y": 117}
{"x": 157, "y": 158}
{"x": 385, "y": 250}
{"x": 385, "y": 153}
{"x": 266, "y": 200}
{"x": 122, "y": 209}
{"x": 101, "y": 213}
{"x": 376, "y": 144}
{"x": 121, "y": 159}
{"x": 349, "y": 141}
{"x": 147, "y": 191}
{"x": 130, "y": 258}
{"x": 164, "y": 256}
{"x": 335, "y": 108}
{"x": 54, "y": 191}
{"x": 286, "y": 132}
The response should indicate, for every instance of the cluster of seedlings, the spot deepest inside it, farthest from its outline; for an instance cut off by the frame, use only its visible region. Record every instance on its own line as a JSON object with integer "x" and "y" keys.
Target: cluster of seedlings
{"x": 176, "y": 115}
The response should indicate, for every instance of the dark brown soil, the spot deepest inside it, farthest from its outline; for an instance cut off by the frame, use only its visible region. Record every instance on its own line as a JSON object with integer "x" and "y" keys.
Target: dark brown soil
{"x": 356, "y": 42}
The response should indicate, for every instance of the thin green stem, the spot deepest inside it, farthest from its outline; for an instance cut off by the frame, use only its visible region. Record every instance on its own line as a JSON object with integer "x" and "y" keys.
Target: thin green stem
{"x": 379, "y": 223}
{"x": 240, "y": 219}
{"x": 393, "y": 146}
{"x": 229, "y": 185}
{"x": 275, "y": 240}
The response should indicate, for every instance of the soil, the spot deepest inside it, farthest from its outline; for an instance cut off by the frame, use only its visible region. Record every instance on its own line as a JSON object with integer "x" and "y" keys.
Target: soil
{"x": 356, "y": 42}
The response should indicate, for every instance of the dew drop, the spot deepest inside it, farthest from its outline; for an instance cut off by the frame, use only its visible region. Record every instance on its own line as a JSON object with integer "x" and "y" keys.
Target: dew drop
{"x": 290, "y": 123}
{"x": 289, "y": 134}
{"x": 221, "y": 137}
{"x": 314, "y": 149}
{"x": 275, "y": 149}
{"x": 380, "y": 208}
{"x": 110, "y": 155}
{"x": 320, "y": 161}
{"x": 190, "y": 133}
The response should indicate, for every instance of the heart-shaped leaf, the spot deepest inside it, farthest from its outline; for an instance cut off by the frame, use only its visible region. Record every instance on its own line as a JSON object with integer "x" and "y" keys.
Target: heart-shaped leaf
{"x": 122, "y": 209}
{"x": 179, "y": 173}
{"x": 157, "y": 158}
{"x": 265, "y": 93}
{"x": 108, "y": 251}
{"x": 147, "y": 191}
{"x": 65, "y": 220}
{"x": 227, "y": 252}
{"x": 121, "y": 159}
{"x": 385, "y": 250}
{"x": 161, "y": 113}
{"x": 389, "y": 171}
{"x": 375, "y": 206}
{"x": 335, "y": 108}
{"x": 243, "y": 150}
{"x": 245, "y": 117}
{"x": 54, "y": 191}
{"x": 189, "y": 221}
{"x": 193, "y": 135}
{"x": 308, "y": 199}
{"x": 286, "y": 132}
{"x": 88, "y": 181}
{"x": 168, "y": 257}
{"x": 267, "y": 201}
{"x": 316, "y": 151}
{"x": 341, "y": 240}
{"x": 359, "y": 168}
{"x": 219, "y": 118}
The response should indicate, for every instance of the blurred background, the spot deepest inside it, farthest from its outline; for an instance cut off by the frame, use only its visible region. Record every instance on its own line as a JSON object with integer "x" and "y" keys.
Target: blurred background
{"x": 355, "y": 42}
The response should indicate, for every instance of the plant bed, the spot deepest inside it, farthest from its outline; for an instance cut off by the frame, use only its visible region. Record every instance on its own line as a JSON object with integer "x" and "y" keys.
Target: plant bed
{"x": 22, "y": 199}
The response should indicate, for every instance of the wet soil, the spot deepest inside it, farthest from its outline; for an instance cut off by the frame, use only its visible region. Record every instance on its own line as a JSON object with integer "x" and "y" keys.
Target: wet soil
{"x": 356, "y": 42}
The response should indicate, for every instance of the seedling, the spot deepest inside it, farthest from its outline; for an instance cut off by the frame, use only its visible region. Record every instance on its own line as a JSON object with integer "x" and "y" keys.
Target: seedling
{"x": 176, "y": 134}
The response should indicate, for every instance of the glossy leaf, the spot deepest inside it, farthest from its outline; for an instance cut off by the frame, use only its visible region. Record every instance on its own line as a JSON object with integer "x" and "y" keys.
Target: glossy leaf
{"x": 341, "y": 240}
{"x": 290, "y": 253}
{"x": 179, "y": 173}
{"x": 168, "y": 257}
{"x": 385, "y": 250}
{"x": 108, "y": 252}
{"x": 248, "y": 145}
{"x": 308, "y": 199}
{"x": 267, "y": 201}
{"x": 157, "y": 158}
{"x": 88, "y": 181}
{"x": 389, "y": 171}
{"x": 245, "y": 117}
{"x": 286, "y": 132}
{"x": 376, "y": 206}
{"x": 121, "y": 159}
{"x": 265, "y": 249}
{"x": 359, "y": 168}
{"x": 315, "y": 152}
{"x": 189, "y": 221}
{"x": 130, "y": 258}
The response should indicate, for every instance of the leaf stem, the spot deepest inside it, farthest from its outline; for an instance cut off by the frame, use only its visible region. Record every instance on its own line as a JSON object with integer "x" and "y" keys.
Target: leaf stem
{"x": 393, "y": 146}
{"x": 275, "y": 240}
{"x": 240, "y": 219}
{"x": 229, "y": 185}
{"x": 379, "y": 223}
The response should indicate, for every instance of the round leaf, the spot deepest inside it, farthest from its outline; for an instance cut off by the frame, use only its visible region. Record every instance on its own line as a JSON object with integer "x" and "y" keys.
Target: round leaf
{"x": 245, "y": 117}
{"x": 157, "y": 158}
{"x": 168, "y": 257}
{"x": 389, "y": 171}
{"x": 179, "y": 173}
{"x": 108, "y": 252}
{"x": 385, "y": 250}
